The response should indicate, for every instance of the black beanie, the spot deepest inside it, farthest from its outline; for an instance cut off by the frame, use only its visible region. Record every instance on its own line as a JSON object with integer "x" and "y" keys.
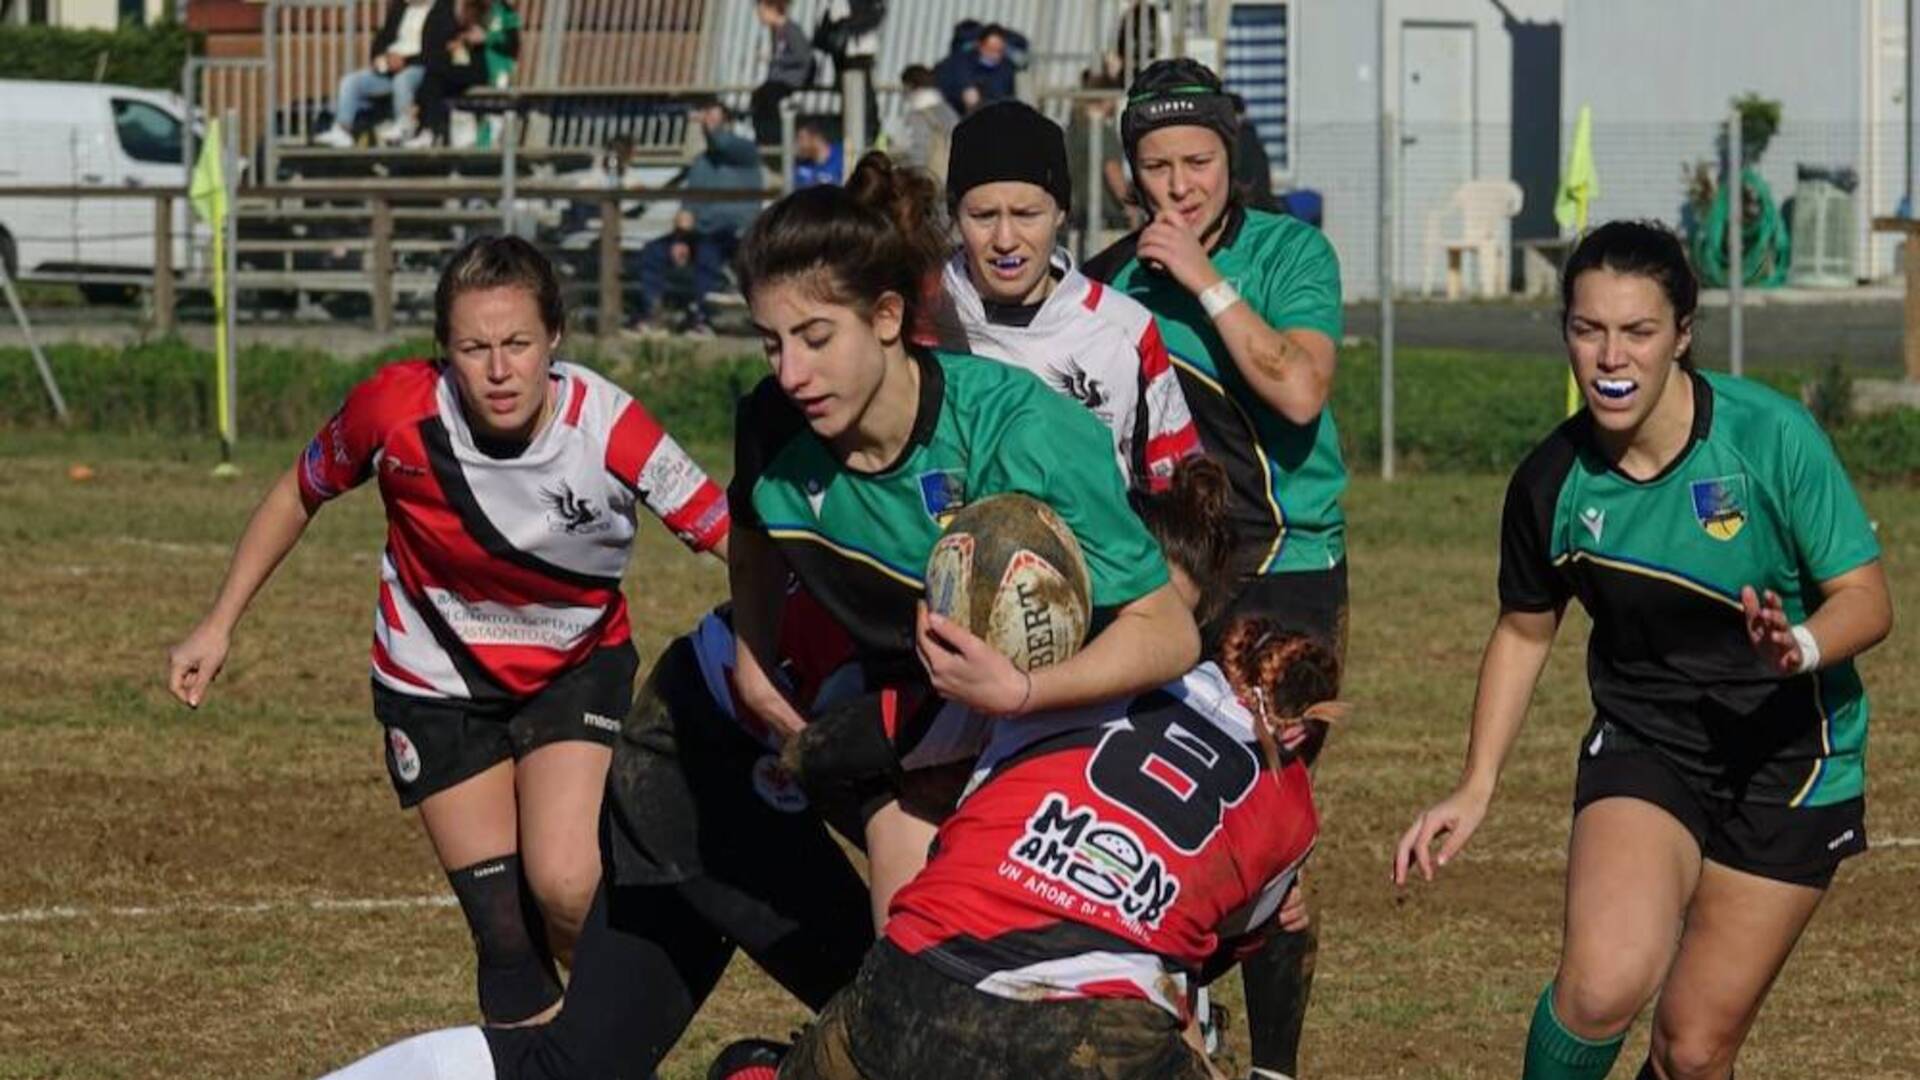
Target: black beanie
{"x": 1008, "y": 140}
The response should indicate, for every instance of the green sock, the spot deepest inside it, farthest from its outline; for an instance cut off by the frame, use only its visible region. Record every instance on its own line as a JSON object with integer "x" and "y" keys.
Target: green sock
{"x": 1554, "y": 1053}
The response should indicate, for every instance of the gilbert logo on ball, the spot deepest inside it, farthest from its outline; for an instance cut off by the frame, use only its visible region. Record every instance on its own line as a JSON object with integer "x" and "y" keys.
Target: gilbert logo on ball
{"x": 1010, "y": 571}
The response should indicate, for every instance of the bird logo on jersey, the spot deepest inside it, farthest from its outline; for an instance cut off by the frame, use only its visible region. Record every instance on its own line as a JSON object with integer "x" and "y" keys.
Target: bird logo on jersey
{"x": 1074, "y": 382}
{"x": 567, "y": 512}
{"x": 1720, "y": 505}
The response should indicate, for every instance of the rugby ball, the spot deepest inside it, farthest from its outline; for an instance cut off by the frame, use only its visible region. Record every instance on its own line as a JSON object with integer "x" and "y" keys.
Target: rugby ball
{"x": 1010, "y": 571}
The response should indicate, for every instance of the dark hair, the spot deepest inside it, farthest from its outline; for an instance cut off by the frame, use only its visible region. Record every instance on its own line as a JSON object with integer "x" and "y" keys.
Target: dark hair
{"x": 1278, "y": 674}
{"x": 917, "y": 77}
{"x": 493, "y": 262}
{"x": 878, "y": 234}
{"x": 1641, "y": 248}
{"x": 1189, "y": 520}
{"x": 991, "y": 30}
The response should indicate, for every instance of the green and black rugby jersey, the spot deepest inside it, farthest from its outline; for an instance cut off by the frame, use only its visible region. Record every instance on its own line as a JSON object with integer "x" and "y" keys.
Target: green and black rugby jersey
{"x": 859, "y": 541}
{"x": 1286, "y": 477}
{"x": 1756, "y": 498}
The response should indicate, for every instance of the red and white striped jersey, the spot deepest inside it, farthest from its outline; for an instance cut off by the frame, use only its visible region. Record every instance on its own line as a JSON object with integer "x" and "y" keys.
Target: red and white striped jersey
{"x": 1108, "y": 852}
{"x": 1096, "y": 345}
{"x": 501, "y": 573}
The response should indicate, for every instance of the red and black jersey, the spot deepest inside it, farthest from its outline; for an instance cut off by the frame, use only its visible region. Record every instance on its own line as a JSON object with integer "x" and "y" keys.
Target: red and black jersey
{"x": 1108, "y": 852}
{"x": 500, "y": 573}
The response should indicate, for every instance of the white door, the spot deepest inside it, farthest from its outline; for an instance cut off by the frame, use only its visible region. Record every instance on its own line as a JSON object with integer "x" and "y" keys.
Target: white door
{"x": 1437, "y": 137}
{"x": 147, "y": 140}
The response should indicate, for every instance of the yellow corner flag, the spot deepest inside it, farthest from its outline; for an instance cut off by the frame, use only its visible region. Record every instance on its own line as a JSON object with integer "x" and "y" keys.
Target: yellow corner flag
{"x": 208, "y": 193}
{"x": 1579, "y": 184}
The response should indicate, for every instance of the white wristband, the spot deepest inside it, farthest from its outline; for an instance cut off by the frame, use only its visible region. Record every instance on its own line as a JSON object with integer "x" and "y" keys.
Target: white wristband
{"x": 1218, "y": 297}
{"x": 1809, "y": 648}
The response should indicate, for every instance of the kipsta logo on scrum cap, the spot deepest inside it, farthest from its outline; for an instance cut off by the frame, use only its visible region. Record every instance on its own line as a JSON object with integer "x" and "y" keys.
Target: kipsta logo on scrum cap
{"x": 1165, "y": 107}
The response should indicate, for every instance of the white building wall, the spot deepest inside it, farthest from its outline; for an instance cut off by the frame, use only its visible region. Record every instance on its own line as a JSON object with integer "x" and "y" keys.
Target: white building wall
{"x": 1661, "y": 75}
{"x": 1338, "y": 102}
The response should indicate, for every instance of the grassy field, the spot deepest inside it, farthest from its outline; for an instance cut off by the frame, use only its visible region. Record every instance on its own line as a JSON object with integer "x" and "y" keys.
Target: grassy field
{"x": 232, "y": 892}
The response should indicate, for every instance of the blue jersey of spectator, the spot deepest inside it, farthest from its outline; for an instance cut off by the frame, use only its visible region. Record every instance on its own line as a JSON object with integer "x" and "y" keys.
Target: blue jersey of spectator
{"x": 817, "y": 159}
{"x": 979, "y": 68}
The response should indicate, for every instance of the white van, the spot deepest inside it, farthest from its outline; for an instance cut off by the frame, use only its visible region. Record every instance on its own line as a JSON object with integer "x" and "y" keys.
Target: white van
{"x": 88, "y": 135}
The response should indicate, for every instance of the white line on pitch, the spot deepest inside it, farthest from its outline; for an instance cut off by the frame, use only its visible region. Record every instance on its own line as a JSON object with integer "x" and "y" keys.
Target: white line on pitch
{"x": 64, "y": 912}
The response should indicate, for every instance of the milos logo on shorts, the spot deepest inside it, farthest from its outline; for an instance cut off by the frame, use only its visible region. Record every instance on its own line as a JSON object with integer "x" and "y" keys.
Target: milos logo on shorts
{"x": 1104, "y": 862}
{"x": 406, "y": 759}
{"x": 604, "y": 723}
{"x": 776, "y": 786}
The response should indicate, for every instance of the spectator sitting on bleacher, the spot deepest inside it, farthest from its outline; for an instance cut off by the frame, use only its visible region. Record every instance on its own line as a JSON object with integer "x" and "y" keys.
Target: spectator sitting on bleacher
{"x": 817, "y": 158}
{"x": 415, "y": 31}
{"x": 920, "y": 135}
{"x": 471, "y": 57}
{"x": 979, "y": 66}
{"x": 711, "y": 230}
{"x": 671, "y": 298}
{"x": 789, "y": 68}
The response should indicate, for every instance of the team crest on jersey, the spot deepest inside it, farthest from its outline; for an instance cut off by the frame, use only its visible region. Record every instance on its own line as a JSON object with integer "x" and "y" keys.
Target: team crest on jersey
{"x": 942, "y": 492}
{"x": 1105, "y": 863}
{"x": 1720, "y": 505}
{"x": 569, "y": 513}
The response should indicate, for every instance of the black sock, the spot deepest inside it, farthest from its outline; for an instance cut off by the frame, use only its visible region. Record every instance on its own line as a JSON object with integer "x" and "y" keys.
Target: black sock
{"x": 515, "y": 973}
{"x": 1278, "y": 981}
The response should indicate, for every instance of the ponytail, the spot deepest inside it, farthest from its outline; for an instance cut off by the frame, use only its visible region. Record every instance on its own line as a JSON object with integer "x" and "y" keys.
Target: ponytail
{"x": 1284, "y": 679}
{"x": 880, "y": 233}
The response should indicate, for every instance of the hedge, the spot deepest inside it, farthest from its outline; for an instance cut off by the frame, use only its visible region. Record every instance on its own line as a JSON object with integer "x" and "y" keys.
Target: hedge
{"x": 150, "y": 56}
{"x": 1456, "y": 411}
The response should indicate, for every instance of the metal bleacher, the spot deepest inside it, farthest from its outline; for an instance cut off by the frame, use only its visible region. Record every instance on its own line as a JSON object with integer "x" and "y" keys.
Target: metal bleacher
{"x": 593, "y": 69}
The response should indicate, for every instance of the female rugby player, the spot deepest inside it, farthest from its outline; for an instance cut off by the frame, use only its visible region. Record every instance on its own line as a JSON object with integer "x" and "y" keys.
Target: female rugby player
{"x": 502, "y": 656}
{"x": 706, "y": 848}
{"x": 1732, "y": 576}
{"x": 1013, "y": 294}
{"x": 848, "y": 459}
{"x": 1249, "y": 304}
{"x": 1105, "y": 861}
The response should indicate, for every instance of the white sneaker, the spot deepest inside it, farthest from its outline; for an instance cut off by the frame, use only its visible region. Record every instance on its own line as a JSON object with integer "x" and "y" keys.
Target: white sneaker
{"x": 336, "y": 136}
{"x": 421, "y": 140}
{"x": 392, "y": 132}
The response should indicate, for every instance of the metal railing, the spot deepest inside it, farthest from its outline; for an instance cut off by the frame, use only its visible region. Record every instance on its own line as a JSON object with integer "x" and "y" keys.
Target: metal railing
{"x": 380, "y": 206}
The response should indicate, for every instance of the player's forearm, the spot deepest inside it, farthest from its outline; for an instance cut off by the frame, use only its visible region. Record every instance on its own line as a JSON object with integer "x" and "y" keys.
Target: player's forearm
{"x": 1855, "y": 614}
{"x": 1515, "y": 655}
{"x": 756, "y": 576}
{"x": 1291, "y": 371}
{"x": 273, "y": 530}
{"x": 1150, "y": 642}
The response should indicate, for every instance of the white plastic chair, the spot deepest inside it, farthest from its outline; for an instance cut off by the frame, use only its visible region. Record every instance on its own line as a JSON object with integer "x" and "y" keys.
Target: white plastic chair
{"x": 1483, "y": 208}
